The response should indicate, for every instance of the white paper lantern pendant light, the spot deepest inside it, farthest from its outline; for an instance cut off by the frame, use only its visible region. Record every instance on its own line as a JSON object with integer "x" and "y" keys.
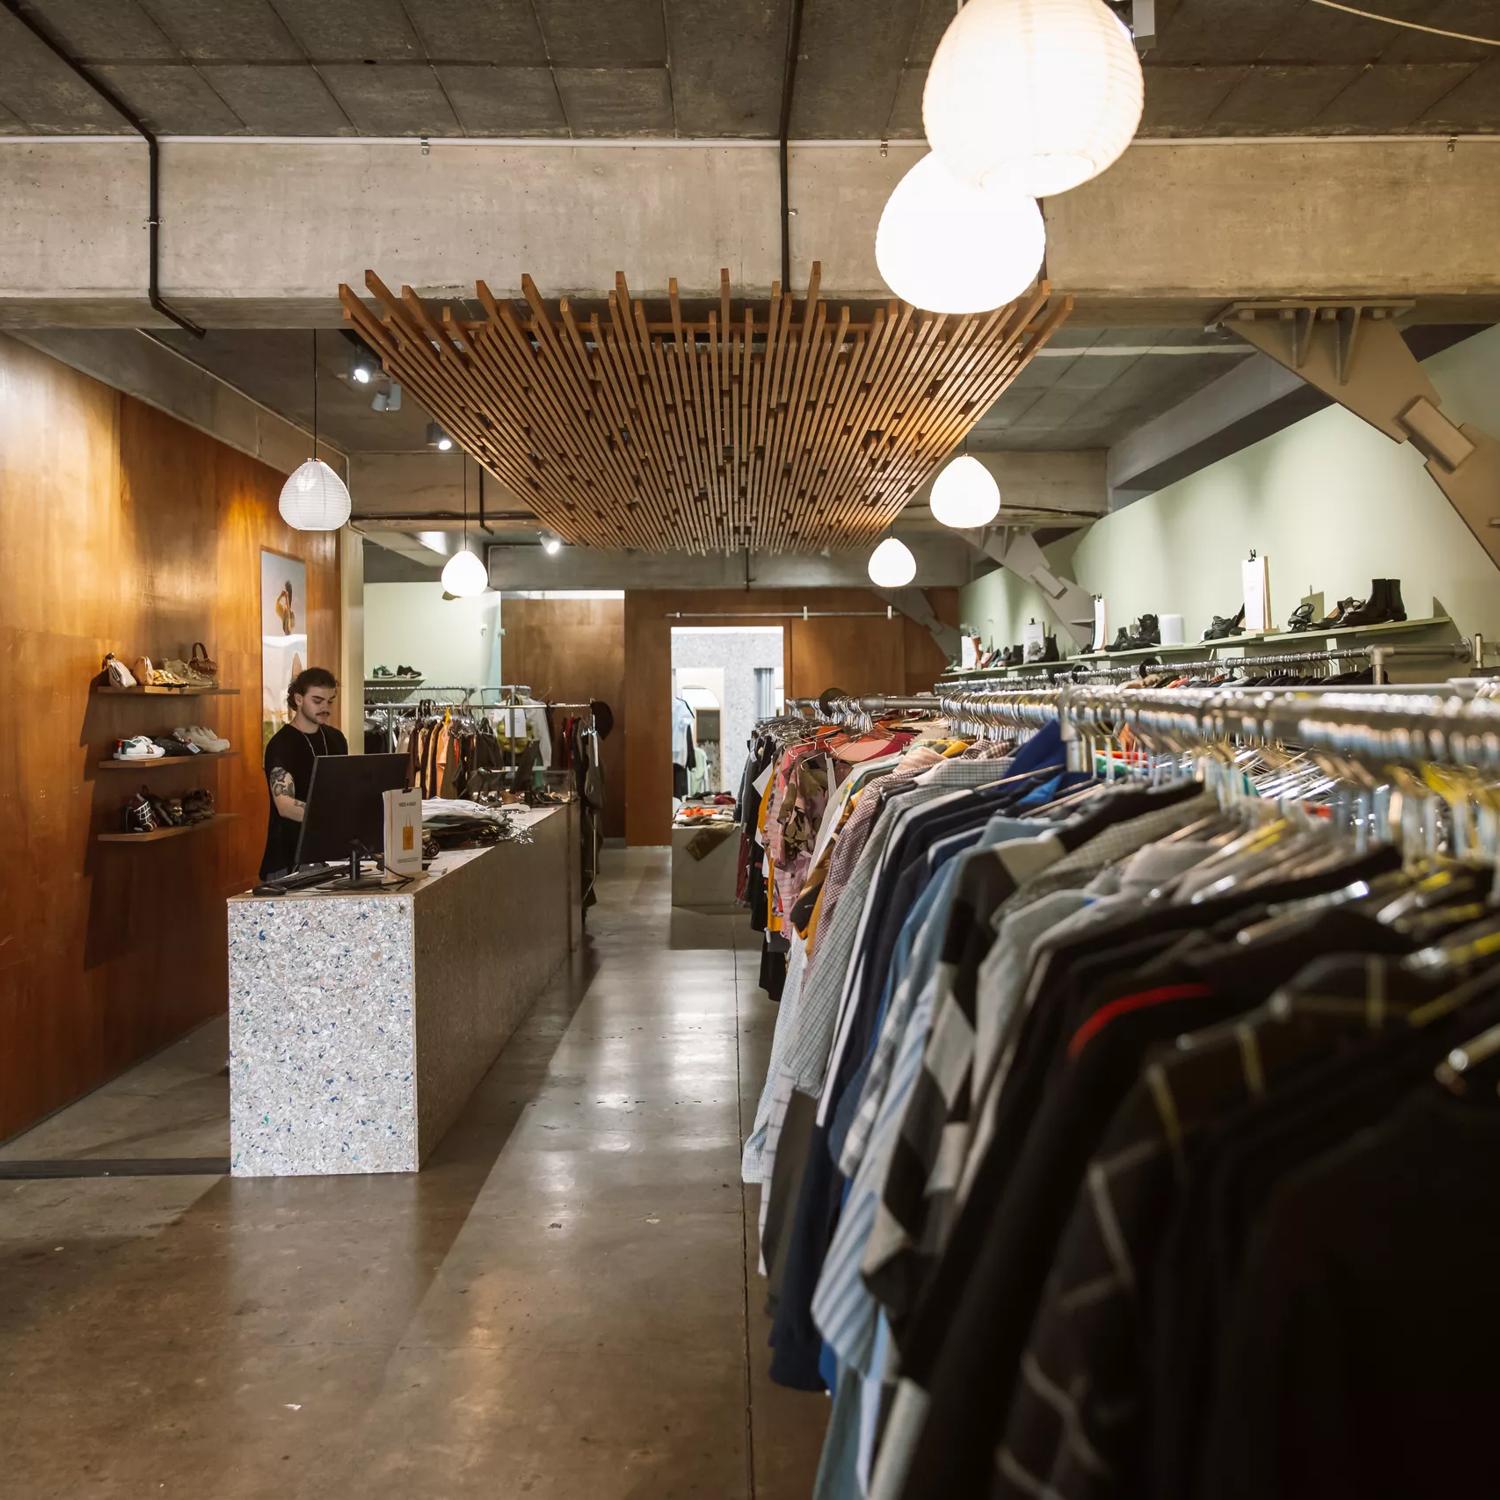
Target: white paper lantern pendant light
{"x": 314, "y": 498}
{"x": 965, "y": 495}
{"x": 1032, "y": 96}
{"x": 892, "y": 565}
{"x": 948, "y": 247}
{"x": 464, "y": 574}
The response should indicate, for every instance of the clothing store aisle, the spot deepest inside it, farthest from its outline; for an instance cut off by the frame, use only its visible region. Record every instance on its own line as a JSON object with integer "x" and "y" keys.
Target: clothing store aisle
{"x": 556, "y": 1307}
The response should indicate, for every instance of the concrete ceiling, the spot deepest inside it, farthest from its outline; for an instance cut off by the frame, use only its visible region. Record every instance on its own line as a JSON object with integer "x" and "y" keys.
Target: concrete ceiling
{"x": 1097, "y": 384}
{"x": 700, "y": 69}
{"x": 274, "y": 367}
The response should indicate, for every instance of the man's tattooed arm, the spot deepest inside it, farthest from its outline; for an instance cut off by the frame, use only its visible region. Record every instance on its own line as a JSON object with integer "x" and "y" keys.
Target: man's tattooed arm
{"x": 284, "y": 794}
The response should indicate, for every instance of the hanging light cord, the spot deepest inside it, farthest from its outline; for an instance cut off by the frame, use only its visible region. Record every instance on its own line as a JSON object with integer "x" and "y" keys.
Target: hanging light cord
{"x": 1370, "y": 15}
{"x": 315, "y": 392}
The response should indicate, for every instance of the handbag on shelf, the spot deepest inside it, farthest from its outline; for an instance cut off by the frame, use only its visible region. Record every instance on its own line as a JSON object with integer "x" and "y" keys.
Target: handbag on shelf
{"x": 202, "y": 663}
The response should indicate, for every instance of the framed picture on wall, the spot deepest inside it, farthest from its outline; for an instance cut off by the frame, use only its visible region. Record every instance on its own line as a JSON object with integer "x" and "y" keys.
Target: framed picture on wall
{"x": 283, "y": 635}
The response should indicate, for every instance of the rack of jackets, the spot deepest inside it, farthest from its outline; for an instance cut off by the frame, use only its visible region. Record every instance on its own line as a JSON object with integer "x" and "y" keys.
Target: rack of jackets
{"x": 1128, "y": 1124}
{"x": 519, "y": 720}
{"x": 800, "y": 776}
{"x": 574, "y": 731}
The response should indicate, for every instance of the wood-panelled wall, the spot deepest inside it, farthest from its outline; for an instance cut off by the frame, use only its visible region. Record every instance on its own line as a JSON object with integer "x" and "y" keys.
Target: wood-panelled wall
{"x": 859, "y": 655}
{"x": 573, "y": 651}
{"x": 121, "y": 529}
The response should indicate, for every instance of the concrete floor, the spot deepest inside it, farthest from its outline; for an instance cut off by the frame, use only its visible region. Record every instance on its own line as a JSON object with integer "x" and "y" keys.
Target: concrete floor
{"x": 556, "y": 1307}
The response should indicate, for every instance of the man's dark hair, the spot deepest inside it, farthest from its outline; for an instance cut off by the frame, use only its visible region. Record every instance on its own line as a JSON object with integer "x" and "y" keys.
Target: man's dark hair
{"x": 309, "y": 677}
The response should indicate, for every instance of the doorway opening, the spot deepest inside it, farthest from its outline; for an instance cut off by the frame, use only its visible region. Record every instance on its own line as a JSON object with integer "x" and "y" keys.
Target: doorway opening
{"x": 724, "y": 678}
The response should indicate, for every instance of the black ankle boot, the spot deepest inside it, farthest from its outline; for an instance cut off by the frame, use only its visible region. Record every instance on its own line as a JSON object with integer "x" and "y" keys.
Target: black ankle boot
{"x": 1049, "y": 648}
{"x": 1373, "y": 609}
{"x": 1393, "y": 600}
{"x": 1148, "y": 631}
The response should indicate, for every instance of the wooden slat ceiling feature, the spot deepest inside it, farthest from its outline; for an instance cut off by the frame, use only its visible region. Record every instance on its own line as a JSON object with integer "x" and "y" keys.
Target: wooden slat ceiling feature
{"x": 779, "y": 426}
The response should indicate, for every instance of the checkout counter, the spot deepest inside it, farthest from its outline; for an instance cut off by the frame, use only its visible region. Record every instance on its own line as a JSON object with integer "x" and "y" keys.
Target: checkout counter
{"x": 361, "y": 1021}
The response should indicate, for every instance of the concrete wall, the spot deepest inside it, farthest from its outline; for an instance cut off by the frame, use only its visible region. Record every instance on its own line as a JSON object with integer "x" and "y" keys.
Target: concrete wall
{"x": 1330, "y": 501}
{"x": 450, "y": 642}
{"x": 738, "y": 653}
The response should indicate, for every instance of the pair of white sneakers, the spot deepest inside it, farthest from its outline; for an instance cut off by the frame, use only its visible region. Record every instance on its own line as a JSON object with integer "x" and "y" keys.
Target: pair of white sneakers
{"x": 138, "y": 747}
{"x": 205, "y": 740}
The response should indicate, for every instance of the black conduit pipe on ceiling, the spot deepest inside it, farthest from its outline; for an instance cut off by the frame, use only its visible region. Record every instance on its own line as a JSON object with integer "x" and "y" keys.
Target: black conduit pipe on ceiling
{"x": 153, "y": 160}
{"x": 788, "y": 86}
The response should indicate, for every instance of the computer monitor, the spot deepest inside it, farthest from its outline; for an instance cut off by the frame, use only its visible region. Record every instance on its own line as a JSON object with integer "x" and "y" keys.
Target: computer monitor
{"x": 344, "y": 818}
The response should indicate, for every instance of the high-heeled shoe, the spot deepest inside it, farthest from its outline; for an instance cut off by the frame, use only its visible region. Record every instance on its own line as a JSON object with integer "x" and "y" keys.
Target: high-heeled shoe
{"x": 1221, "y": 629}
{"x": 1301, "y": 617}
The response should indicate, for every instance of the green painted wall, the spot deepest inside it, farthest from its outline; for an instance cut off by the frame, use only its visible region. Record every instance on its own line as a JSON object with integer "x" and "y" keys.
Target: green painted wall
{"x": 1330, "y": 501}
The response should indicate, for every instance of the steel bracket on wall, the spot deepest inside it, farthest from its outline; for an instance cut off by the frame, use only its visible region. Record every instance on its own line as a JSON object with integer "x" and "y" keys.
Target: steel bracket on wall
{"x": 1071, "y": 606}
{"x": 915, "y": 605}
{"x": 1353, "y": 352}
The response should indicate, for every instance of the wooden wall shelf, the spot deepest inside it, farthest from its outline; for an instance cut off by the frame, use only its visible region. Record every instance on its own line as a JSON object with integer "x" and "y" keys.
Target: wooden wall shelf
{"x": 165, "y": 833}
{"x": 164, "y": 760}
{"x": 140, "y": 690}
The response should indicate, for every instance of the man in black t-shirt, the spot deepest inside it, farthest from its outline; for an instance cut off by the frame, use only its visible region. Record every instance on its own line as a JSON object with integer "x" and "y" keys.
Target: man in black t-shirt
{"x": 289, "y": 762}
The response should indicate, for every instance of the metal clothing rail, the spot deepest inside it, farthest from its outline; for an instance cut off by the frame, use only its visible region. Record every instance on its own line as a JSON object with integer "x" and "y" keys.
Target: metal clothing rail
{"x": 888, "y": 613}
{"x": 1373, "y": 727}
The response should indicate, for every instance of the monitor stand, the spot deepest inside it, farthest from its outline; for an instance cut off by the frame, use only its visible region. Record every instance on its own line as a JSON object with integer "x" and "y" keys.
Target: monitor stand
{"x": 354, "y": 880}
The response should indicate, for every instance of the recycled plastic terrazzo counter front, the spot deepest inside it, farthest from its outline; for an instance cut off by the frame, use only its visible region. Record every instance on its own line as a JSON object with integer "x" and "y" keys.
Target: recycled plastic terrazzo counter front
{"x": 360, "y": 1023}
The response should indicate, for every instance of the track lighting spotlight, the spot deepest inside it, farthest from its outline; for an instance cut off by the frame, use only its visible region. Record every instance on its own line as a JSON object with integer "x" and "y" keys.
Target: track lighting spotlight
{"x": 437, "y": 438}
{"x": 387, "y": 400}
{"x": 361, "y": 370}
{"x": 551, "y": 545}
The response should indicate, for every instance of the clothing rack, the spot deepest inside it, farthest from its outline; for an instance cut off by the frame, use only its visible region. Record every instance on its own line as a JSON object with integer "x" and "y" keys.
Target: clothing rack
{"x": 860, "y": 713}
{"x": 423, "y": 693}
{"x": 1373, "y": 727}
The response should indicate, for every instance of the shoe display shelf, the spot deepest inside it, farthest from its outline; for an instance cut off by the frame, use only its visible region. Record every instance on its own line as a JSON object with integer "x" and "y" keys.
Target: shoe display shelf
{"x": 1361, "y": 632}
{"x": 143, "y": 690}
{"x": 391, "y": 689}
{"x": 150, "y": 763}
{"x": 1187, "y": 648}
{"x": 166, "y": 833}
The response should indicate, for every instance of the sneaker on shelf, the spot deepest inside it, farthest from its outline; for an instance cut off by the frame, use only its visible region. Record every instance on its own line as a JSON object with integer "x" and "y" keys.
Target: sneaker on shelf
{"x": 168, "y": 811}
{"x": 171, "y": 748}
{"x": 206, "y": 740}
{"x": 381, "y": 672}
{"x": 140, "y": 816}
{"x": 405, "y": 671}
{"x": 186, "y": 745}
{"x": 138, "y": 747}
{"x": 198, "y": 805}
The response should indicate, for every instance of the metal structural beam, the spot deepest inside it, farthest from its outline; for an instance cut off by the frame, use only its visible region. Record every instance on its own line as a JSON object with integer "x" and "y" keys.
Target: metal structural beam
{"x": 137, "y": 364}
{"x": 942, "y": 562}
{"x": 260, "y": 233}
{"x": 915, "y": 605}
{"x": 1071, "y": 606}
{"x": 1353, "y": 352}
